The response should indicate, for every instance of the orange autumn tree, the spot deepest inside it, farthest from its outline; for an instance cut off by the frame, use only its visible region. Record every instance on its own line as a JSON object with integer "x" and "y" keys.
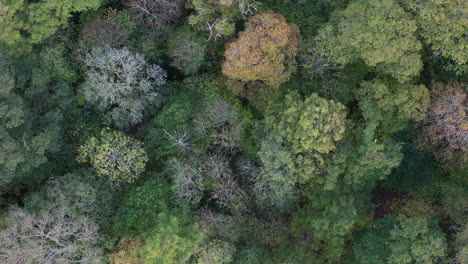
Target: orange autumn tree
{"x": 265, "y": 51}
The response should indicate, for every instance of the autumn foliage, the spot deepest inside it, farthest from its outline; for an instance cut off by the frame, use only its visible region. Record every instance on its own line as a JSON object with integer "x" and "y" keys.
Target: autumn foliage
{"x": 265, "y": 51}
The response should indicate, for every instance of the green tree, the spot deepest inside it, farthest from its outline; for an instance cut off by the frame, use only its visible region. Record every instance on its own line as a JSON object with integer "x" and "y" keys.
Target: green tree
{"x": 275, "y": 183}
{"x": 461, "y": 245}
{"x": 30, "y": 22}
{"x": 442, "y": 25}
{"x": 140, "y": 209}
{"x": 187, "y": 50}
{"x": 378, "y": 32}
{"x": 114, "y": 156}
{"x": 341, "y": 194}
{"x": 265, "y": 51}
{"x": 173, "y": 240}
{"x": 371, "y": 246}
{"x": 393, "y": 103}
{"x": 309, "y": 128}
{"x": 33, "y": 103}
{"x": 402, "y": 240}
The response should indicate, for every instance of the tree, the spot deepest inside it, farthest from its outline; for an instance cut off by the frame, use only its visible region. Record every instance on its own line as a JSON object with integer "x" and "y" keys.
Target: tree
{"x": 275, "y": 183}
{"x": 121, "y": 86}
{"x": 446, "y": 126}
{"x": 187, "y": 180}
{"x": 309, "y": 128}
{"x": 265, "y": 51}
{"x": 104, "y": 32}
{"x": 401, "y": 240}
{"x": 33, "y": 103}
{"x": 157, "y": 13}
{"x": 172, "y": 241}
{"x": 216, "y": 252}
{"x": 417, "y": 239}
{"x": 187, "y": 51}
{"x": 343, "y": 181}
{"x": 221, "y": 124}
{"x": 114, "y": 156}
{"x": 312, "y": 124}
{"x": 370, "y": 246}
{"x": 25, "y": 22}
{"x": 49, "y": 237}
{"x": 127, "y": 251}
{"x": 219, "y": 17}
{"x": 442, "y": 25}
{"x": 395, "y": 104}
{"x": 461, "y": 245}
{"x": 80, "y": 193}
{"x": 140, "y": 209}
{"x": 378, "y": 32}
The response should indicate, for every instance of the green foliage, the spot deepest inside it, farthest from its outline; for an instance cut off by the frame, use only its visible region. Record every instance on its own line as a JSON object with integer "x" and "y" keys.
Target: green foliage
{"x": 199, "y": 116}
{"x": 442, "y": 24}
{"x": 309, "y": 128}
{"x": 371, "y": 246}
{"x": 275, "y": 184}
{"x": 247, "y": 160}
{"x": 393, "y": 103}
{"x": 416, "y": 239}
{"x": 171, "y": 241}
{"x": 24, "y": 22}
{"x": 455, "y": 202}
{"x": 187, "y": 51}
{"x": 32, "y": 107}
{"x": 312, "y": 124}
{"x": 415, "y": 170}
{"x": 288, "y": 253}
{"x": 82, "y": 194}
{"x": 139, "y": 210}
{"x": 461, "y": 245}
{"x": 378, "y": 32}
{"x": 401, "y": 240}
{"x": 306, "y": 14}
{"x": 114, "y": 156}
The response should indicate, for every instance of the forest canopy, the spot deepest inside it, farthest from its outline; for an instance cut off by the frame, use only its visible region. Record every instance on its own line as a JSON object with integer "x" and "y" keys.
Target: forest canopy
{"x": 233, "y": 132}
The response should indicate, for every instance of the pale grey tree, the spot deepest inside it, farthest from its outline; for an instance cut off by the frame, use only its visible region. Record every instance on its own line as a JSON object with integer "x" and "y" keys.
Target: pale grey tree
{"x": 121, "y": 86}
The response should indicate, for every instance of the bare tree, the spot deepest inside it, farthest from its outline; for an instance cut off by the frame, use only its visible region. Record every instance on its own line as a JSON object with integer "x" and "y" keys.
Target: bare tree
{"x": 217, "y": 167}
{"x": 220, "y": 117}
{"x": 220, "y": 225}
{"x": 317, "y": 62}
{"x": 180, "y": 140}
{"x": 446, "y": 126}
{"x": 105, "y": 32}
{"x": 157, "y": 13}
{"x": 188, "y": 181}
{"x": 228, "y": 194}
{"x": 50, "y": 237}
